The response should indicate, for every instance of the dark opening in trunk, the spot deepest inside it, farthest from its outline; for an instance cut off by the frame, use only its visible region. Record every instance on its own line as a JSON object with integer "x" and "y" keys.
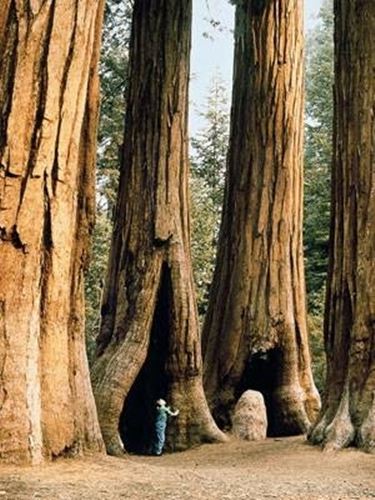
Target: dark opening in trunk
{"x": 261, "y": 374}
{"x": 137, "y": 418}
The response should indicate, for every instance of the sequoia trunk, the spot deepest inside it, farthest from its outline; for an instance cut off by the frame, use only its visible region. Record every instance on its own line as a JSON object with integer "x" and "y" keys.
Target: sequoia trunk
{"x": 255, "y": 331}
{"x": 48, "y": 113}
{"x": 348, "y": 415}
{"x": 149, "y": 344}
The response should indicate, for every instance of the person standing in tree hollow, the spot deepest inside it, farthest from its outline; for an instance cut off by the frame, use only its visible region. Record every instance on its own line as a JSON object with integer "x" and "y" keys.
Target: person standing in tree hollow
{"x": 162, "y": 412}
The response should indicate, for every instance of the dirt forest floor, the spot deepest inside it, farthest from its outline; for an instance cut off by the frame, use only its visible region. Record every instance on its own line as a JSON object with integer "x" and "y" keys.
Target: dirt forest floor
{"x": 276, "y": 468}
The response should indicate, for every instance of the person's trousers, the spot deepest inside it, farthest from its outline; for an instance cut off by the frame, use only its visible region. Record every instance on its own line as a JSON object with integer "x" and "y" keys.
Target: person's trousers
{"x": 159, "y": 438}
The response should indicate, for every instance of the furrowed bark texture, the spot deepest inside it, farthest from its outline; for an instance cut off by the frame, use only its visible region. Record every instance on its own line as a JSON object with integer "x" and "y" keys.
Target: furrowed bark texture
{"x": 149, "y": 344}
{"x": 48, "y": 113}
{"x": 348, "y": 414}
{"x": 255, "y": 331}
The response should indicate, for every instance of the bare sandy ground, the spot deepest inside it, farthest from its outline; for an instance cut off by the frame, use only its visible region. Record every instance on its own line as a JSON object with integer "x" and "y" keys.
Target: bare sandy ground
{"x": 276, "y": 468}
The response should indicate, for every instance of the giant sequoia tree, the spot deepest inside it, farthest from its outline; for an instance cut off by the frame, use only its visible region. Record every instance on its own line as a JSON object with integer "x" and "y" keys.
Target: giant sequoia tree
{"x": 255, "y": 330}
{"x": 149, "y": 346}
{"x": 348, "y": 415}
{"x": 48, "y": 110}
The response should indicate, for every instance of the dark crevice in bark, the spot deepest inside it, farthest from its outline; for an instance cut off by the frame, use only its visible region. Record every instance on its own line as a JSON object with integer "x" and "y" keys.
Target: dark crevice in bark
{"x": 153, "y": 382}
{"x": 11, "y": 175}
{"x": 370, "y": 324}
{"x": 161, "y": 242}
{"x": 347, "y": 311}
{"x": 84, "y": 220}
{"x": 8, "y": 64}
{"x": 47, "y": 228}
{"x": 4, "y": 349}
{"x": 299, "y": 343}
{"x": 258, "y": 7}
{"x": 47, "y": 245}
{"x": 69, "y": 451}
{"x": 14, "y": 238}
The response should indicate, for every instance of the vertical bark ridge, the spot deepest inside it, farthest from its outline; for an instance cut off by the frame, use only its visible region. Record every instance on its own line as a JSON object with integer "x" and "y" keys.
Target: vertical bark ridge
{"x": 42, "y": 77}
{"x": 8, "y": 63}
{"x": 80, "y": 386}
{"x": 65, "y": 72}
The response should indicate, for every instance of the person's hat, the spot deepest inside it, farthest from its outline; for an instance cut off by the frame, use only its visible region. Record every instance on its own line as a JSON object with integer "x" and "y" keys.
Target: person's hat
{"x": 161, "y": 402}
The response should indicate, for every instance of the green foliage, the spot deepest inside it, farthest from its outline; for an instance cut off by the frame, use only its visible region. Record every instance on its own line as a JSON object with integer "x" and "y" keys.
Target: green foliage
{"x": 94, "y": 278}
{"x": 318, "y": 159}
{"x": 318, "y": 154}
{"x": 211, "y": 143}
{"x": 113, "y": 77}
{"x": 315, "y": 327}
{"x": 205, "y": 218}
{"x": 113, "y": 73}
{"x": 207, "y": 187}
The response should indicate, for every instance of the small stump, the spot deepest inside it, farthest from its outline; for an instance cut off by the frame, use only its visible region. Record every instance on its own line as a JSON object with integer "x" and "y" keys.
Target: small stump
{"x": 249, "y": 419}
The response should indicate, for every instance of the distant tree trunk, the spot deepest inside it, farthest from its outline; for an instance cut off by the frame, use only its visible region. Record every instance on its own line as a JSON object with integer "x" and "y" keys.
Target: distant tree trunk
{"x": 149, "y": 344}
{"x": 48, "y": 113}
{"x": 255, "y": 330}
{"x": 348, "y": 414}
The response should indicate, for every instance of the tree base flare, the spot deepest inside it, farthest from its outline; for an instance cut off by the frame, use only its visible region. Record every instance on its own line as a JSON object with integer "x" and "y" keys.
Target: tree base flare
{"x": 289, "y": 415}
{"x": 194, "y": 425}
{"x": 337, "y": 431}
